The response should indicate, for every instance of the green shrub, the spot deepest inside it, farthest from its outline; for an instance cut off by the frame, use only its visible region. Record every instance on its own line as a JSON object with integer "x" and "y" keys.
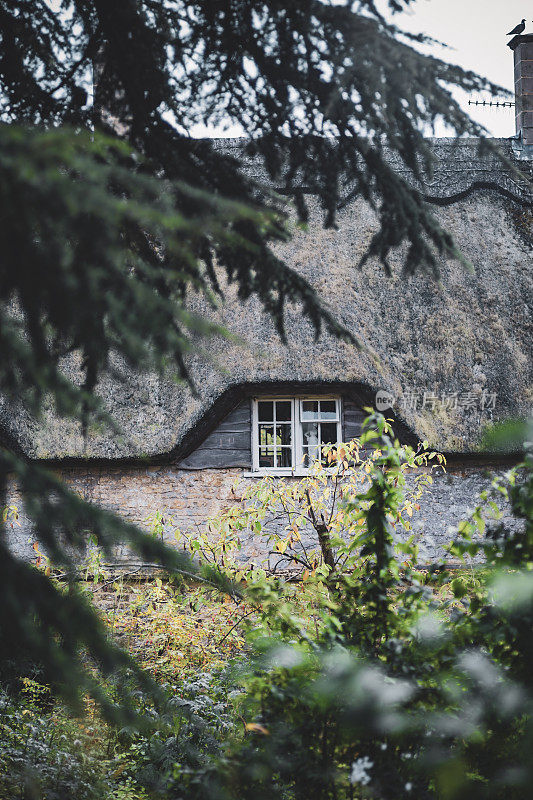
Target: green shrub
{"x": 45, "y": 755}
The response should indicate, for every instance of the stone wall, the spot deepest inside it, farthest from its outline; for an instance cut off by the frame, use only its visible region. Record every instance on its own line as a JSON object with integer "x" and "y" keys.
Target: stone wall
{"x": 186, "y": 498}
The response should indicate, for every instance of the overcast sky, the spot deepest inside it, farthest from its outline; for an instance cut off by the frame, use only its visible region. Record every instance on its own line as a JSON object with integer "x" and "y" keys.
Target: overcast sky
{"x": 475, "y": 29}
{"x": 475, "y": 32}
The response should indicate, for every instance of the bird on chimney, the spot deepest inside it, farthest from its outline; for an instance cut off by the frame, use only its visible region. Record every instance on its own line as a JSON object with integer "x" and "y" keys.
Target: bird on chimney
{"x": 518, "y": 30}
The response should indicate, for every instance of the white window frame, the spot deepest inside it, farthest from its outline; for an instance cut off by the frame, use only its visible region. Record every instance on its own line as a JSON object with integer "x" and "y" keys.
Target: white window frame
{"x": 297, "y": 450}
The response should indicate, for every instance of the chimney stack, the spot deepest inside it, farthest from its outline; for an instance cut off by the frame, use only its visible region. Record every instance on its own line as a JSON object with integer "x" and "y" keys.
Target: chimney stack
{"x": 522, "y": 47}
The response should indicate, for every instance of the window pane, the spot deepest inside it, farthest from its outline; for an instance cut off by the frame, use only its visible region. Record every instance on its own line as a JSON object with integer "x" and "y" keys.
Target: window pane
{"x": 328, "y": 409}
{"x": 309, "y": 410}
{"x": 283, "y": 434}
{"x": 318, "y": 425}
{"x": 283, "y": 410}
{"x": 266, "y": 457}
{"x": 284, "y": 457}
{"x": 265, "y": 411}
{"x": 311, "y": 454}
{"x": 328, "y": 432}
{"x": 310, "y": 433}
{"x": 266, "y": 434}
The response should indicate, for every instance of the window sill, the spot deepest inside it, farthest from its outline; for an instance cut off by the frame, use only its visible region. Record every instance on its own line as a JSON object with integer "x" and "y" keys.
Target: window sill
{"x": 280, "y": 473}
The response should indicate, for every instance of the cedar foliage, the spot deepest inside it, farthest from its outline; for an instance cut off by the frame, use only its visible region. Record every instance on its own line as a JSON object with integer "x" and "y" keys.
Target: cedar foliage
{"x": 111, "y": 214}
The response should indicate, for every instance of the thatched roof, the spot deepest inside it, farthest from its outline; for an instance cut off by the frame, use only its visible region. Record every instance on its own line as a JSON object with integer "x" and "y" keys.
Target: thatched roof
{"x": 471, "y": 335}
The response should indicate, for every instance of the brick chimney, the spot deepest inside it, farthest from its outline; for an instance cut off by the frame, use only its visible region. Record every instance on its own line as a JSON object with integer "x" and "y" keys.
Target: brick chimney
{"x": 522, "y": 47}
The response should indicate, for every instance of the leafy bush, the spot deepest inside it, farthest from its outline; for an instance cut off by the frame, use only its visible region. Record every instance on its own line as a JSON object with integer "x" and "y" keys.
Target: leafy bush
{"x": 180, "y": 758}
{"x": 336, "y": 541}
{"x": 43, "y": 755}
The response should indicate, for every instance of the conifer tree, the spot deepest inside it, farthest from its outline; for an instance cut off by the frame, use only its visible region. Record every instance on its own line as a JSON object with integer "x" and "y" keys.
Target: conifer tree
{"x": 111, "y": 214}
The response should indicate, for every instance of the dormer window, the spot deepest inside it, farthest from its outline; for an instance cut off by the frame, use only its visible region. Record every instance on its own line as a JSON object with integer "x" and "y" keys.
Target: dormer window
{"x": 288, "y": 433}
